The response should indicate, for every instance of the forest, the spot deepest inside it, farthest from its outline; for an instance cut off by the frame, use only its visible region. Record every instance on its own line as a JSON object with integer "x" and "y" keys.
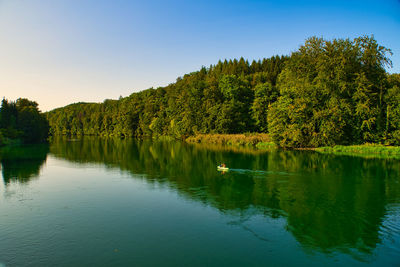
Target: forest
{"x": 328, "y": 92}
{"x": 22, "y": 122}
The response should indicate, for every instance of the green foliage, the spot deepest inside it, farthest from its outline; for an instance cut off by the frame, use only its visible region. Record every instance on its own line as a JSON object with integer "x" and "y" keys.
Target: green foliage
{"x": 264, "y": 95}
{"x": 332, "y": 92}
{"x": 366, "y": 150}
{"x": 22, "y": 120}
{"x": 329, "y": 92}
{"x": 248, "y": 139}
{"x": 392, "y": 99}
{"x": 2, "y": 139}
{"x": 218, "y": 99}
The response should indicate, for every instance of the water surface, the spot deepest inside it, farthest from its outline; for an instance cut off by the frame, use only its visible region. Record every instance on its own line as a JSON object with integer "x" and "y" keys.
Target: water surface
{"x": 122, "y": 202}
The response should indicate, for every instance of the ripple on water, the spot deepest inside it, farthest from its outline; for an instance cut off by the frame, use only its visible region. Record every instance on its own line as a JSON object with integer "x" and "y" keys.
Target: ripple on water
{"x": 390, "y": 229}
{"x": 259, "y": 172}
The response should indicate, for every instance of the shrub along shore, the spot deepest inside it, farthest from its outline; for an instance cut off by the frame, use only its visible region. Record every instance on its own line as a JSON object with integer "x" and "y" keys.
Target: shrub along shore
{"x": 263, "y": 142}
{"x": 246, "y": 139}
{"x": 367, "y": 150}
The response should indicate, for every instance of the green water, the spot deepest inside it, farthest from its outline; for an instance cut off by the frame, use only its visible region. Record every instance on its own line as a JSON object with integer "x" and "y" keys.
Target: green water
{"x": 98, "y": 202}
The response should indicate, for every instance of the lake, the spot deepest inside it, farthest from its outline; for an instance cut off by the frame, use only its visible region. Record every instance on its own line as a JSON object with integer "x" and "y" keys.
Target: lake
{"x": 110, "y": 202}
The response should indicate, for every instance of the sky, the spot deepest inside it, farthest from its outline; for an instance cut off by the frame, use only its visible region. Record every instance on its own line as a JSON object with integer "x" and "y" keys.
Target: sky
{"x": 58, "y": 52}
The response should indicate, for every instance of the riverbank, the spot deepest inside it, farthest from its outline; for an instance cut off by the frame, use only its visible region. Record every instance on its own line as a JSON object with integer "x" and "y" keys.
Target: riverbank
{"x": 264, "y": 142}
{"x": 259, "y": 140}
{"x": 365, "y": 150}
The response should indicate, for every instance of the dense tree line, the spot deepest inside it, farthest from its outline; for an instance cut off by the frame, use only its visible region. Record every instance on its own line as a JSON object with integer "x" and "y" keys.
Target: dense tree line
{"x": 215, "y": 99}
{"x": 23, "y": 121}
{"x": 328, "y": 92}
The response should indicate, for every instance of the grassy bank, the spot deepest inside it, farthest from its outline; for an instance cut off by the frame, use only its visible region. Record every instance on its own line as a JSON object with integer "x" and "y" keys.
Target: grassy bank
{"x": 366, "y": 150}
{"x": 228, "y": 148}
{"x": 263, "y": 142}
{"x": 258, "y": 140}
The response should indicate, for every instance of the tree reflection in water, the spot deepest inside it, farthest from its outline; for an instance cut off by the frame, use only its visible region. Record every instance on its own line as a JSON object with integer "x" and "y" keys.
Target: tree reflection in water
{"x": 330, "y": 203}
{"x": 22, "y": 163}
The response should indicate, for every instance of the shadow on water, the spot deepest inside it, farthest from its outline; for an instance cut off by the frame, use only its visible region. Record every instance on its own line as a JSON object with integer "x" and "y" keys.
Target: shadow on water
{"x": 330, "y": 203}
{"x": 22, "y": 163}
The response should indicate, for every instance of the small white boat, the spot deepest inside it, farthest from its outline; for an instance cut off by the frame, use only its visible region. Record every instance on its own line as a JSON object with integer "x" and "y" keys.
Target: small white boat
{"x": 220, "y": 168}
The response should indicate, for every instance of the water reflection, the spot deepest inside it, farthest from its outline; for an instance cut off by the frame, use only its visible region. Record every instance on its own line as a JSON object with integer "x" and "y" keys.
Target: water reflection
{"x": 330, "y": 203}
{"x": 22, "y": 163}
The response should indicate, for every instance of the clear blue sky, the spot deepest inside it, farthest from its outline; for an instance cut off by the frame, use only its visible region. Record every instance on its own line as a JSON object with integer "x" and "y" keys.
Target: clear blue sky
{"x": 58, "y": 52}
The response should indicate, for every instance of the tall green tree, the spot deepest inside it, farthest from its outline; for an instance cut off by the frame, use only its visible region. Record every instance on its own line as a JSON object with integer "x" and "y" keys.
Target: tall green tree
{"x": 264, "y": 95}
{"x": 392, "y": 99}
{"x": 335, "y": 90}
{"x": 23, "y": 120}
{"x": 235, "y": 112}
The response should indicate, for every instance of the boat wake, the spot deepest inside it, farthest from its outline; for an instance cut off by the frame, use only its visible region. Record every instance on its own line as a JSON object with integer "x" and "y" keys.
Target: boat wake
{"x": 259, "y": 172}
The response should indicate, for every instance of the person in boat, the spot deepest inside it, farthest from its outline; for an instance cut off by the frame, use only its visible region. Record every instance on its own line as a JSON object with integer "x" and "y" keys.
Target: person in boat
{"x": 222, "y": 165}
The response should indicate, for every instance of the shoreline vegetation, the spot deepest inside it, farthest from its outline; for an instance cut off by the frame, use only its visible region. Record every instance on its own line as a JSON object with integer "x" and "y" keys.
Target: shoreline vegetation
{"x": 366, "y": 150}
{"x": 246, "y": 139}
{"x": 264, "y": 142}
{"x": 255, "y": 143}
